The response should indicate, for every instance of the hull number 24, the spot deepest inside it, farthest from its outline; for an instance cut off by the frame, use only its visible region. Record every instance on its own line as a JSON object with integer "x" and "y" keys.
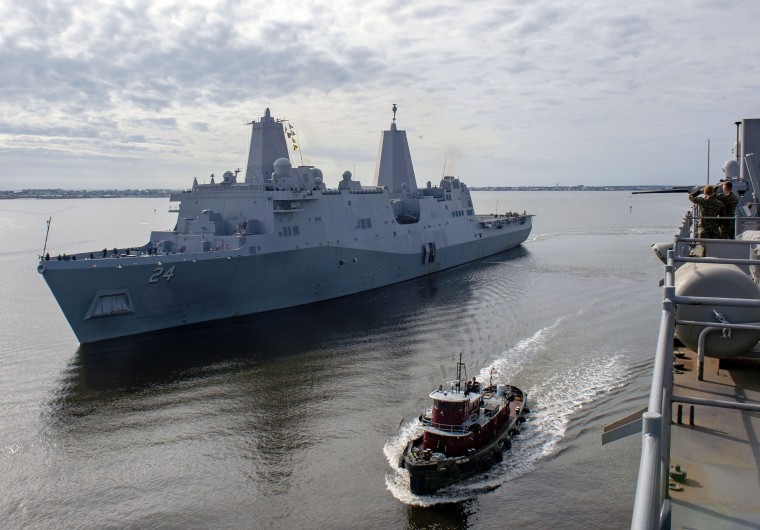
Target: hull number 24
{"x": 158, "y": 273}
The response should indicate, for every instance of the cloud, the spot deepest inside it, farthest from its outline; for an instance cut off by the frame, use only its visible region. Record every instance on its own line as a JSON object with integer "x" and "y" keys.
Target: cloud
{"x": 150, "y": 80}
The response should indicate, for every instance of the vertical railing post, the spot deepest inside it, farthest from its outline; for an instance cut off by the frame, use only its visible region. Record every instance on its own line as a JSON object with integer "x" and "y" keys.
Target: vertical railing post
{"x": 647, "y": 505}
{"x": 736, "y": 225}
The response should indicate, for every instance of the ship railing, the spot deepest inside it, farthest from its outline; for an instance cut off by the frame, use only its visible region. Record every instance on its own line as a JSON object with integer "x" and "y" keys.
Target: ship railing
{"x": 97, "y": 255}
{"x": 368, "y": 190}
{"x": 691, "y": 217}
{"x": 463, "y": 428}
{"x": 652, "y": 504}
{"x": 503, "y": 220}
{"x": 687, "y": 235}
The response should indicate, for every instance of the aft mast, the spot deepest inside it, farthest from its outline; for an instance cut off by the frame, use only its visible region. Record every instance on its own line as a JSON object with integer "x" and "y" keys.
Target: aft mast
{"x": 267, "y": 145}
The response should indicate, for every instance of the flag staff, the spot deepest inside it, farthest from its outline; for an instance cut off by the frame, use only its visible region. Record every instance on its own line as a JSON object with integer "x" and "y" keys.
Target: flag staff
{"x": 47, "y": 233}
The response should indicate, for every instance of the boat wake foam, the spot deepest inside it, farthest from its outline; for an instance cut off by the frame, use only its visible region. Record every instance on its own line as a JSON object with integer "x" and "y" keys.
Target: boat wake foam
{"x": 553, "y": 404}
{"x": 510, "y": 362}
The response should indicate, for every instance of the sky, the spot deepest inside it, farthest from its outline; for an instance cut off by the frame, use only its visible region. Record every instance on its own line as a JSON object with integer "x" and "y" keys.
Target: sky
{"x": 135, "y": 94}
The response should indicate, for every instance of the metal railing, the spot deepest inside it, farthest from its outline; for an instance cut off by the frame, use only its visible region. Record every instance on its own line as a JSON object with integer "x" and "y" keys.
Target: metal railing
{"x": 462, "y": 428}
{"x": 652, "y": 505}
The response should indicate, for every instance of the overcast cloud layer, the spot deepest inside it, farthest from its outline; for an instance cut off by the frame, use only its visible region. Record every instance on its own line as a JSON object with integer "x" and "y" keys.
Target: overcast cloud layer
{"x": 148, "y": 94}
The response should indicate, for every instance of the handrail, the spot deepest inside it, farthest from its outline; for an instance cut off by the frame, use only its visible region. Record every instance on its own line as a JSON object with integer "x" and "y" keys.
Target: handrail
{"x": 652, "y": 509}
{"x": 453, "y": 429}
{"x": 651, "y": 486}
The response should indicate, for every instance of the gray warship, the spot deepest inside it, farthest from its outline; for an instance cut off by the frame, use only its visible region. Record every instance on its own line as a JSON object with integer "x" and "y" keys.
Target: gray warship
{"x": 277, "y": 239}
{"x": 700, "y": 454}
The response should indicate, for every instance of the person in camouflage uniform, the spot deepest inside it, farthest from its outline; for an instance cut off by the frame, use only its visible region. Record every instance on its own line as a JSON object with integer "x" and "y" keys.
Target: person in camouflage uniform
{"x": 729, "y": 201}
{"x": 709, "y": 206}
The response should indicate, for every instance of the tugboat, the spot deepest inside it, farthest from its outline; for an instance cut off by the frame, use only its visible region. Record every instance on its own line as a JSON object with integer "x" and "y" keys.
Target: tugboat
{"x": 465, "y": 432}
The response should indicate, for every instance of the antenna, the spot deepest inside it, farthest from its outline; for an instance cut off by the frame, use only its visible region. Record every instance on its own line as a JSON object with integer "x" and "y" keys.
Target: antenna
{"x": 738, "y": 125}
{"x": 445, "y": 157}
{"x": 460, "y": 367}
{"x": 394, "y": 112}
{"x": 708, "y": 161}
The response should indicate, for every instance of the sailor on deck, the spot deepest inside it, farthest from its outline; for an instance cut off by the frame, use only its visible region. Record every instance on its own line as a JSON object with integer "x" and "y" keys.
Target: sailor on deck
{"x": 709, "y": 207}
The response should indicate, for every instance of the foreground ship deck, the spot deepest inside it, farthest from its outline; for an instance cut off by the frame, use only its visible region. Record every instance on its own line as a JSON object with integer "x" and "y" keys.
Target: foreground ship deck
{"x": 278, "y": 239}
{"x": 700, "y": 459}
{"x": 719, "y": 449}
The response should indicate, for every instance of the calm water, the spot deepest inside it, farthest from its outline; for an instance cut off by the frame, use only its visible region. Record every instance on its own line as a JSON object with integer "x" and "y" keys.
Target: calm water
{"x": 297, "y": 419}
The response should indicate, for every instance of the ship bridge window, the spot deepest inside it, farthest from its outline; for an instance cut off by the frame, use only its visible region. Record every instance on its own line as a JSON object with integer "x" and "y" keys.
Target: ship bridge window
{"x": 447, "y": 412}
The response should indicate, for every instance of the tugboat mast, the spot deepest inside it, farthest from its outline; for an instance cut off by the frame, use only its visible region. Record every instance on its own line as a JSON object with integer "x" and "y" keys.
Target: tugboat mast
{"x": 460, "y": 367}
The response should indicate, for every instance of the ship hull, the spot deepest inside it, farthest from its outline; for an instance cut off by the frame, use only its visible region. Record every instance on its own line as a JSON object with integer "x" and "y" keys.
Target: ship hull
{"x": 111, "y": 298}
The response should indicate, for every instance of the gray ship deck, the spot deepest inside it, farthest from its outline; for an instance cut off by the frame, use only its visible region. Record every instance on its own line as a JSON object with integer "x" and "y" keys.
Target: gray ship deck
{"x": 720, "y": 451}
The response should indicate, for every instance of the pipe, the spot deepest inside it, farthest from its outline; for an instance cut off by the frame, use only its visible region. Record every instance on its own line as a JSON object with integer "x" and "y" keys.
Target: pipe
{"x": 718, "y": 403}
{"x": 710, "y": 301}
{"x": 749, "y": 325}
{"x": 701, "y": 351}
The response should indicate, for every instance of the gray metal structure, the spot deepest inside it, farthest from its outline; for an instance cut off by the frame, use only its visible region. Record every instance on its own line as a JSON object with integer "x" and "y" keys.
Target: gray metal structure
{"x": 276, "y": 240}
{"x": 704, "y": 473}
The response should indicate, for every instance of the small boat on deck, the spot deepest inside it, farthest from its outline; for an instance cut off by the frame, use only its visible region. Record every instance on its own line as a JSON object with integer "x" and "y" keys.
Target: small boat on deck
{"x": 465, "y": 432}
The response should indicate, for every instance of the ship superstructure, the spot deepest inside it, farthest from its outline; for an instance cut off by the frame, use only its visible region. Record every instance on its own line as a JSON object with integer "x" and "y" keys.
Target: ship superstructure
{"x": 279, "y": 238}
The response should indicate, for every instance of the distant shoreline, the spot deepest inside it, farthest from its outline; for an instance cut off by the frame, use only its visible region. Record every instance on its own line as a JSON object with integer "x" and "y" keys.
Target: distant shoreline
{"x": 86, "y": 194}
